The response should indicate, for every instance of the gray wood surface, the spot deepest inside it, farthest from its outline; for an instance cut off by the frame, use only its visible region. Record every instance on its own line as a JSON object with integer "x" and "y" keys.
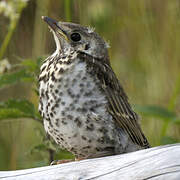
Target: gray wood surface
{"x": 160, "y": 163}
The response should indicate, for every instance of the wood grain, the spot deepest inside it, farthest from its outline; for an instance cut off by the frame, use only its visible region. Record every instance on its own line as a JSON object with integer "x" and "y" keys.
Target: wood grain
{"x": 160, "y": 163}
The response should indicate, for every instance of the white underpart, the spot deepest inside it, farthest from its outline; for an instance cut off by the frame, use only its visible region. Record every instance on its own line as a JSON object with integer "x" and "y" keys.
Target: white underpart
{"x": 70, "y": 129}
{"x": 58, "y": 46}
{"x": 80, "y": 68}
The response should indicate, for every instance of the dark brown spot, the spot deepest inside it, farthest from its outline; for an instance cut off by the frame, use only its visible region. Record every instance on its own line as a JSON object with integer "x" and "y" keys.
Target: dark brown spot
{"x": 97, "y": 149}
{"x": 47, "y": 95}
{"x": 43, "y": 68}
{"x": 81, "y": 85}
{"x": 48, "y": 119}
{"x": 63, "y": 121}
{"x": 78, "y": 96}
{"x": 84, "y": 78}
{"x": 75, "y": 101}
{"x": 71, "y": 149}
{"x": 69, "y": 116}
{"x": 57, "y": 122}
{"x": 81, "y": 109}
{"x": 68, "y": 61}
{"x": 51, "y": 86}
{"x": 56, "y": 105}
{"x": 61, "y": 93}
{"x": 52, "y": 76}
{"x": 58, "y": 100}
{"x": 92, "y": 109}
{"x": 90, "y": 127}
{"x": 88, "y": 93}
{"x": 52, "y": 109}
{"x": 71, "y": 104}
{"x": 63, "y": 103}
{"x": 61, "y": 70}
{"x": 63, "y": 113}
{"x": 101, "y": 140}
{"x": 103, "y": 130}
{"x": 86, "y": 147}
{"x": 84, "y": 138}
{"x": 75, "y": 135}
{"x": 78, "y": 122}
{"x": 87, "y": 121}
{"x": 51, "y": 114}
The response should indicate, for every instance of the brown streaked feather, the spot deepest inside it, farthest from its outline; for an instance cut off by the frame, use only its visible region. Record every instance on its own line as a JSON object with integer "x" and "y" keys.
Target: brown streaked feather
{"x": 119, "y": 106}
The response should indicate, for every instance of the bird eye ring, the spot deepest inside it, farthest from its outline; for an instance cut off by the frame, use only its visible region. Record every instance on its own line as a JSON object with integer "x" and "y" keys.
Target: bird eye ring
{"x": 75, "y": 37}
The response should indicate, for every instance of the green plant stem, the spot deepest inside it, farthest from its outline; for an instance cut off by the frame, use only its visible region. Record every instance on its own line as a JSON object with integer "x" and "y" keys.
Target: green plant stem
{"x": 39, "y": 37}
{"x": 7, "y": 38}
{"x": 11, "y": 29}
{"x": 164, "y": 128}
{"x": 68, "y": 10}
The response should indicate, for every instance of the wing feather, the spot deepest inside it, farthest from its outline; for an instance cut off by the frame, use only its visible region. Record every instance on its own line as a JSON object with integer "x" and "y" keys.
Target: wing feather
{"x": 119, "y": 106}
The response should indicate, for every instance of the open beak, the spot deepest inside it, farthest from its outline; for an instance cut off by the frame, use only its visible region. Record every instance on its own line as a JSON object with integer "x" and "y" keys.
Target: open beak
{"x": 55, "y": 26}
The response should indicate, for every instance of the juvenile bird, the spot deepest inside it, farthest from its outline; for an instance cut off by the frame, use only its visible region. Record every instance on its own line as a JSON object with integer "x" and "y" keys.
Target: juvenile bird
{"x": 83, "y": 105}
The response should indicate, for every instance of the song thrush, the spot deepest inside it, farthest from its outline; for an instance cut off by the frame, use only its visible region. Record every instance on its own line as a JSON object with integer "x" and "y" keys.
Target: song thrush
{"x": 83, "y": 105}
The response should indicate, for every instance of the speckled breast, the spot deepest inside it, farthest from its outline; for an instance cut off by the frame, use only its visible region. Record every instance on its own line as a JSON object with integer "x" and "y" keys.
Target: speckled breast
{"x": 74, "y": 107}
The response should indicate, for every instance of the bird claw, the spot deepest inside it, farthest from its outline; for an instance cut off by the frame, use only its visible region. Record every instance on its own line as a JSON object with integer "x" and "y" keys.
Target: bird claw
{"x": 56, "y": 162}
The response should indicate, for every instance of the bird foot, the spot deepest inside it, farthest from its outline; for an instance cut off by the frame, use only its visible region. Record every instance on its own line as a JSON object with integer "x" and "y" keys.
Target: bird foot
{"x": 56, "y": 162}
{"x": 79, "y": 159}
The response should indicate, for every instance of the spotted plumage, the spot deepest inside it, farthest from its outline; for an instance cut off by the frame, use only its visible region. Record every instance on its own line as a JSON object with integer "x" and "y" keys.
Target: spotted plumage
{"x": 82, "y": 103}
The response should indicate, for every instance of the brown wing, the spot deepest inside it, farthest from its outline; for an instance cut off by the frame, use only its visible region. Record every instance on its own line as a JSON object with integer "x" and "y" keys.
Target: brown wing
{"x": 119, "y": 106}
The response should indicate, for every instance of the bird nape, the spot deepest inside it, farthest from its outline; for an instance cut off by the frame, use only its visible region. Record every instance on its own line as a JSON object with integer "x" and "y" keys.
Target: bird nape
{"x": 83, "y": 105}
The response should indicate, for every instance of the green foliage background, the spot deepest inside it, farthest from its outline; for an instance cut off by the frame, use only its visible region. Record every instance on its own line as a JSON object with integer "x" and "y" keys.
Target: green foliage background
{"x": 144, "y": 36}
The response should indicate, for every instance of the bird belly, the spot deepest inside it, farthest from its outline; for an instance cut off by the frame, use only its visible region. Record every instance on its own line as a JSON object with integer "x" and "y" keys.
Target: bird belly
{"x": 75, "y": 113}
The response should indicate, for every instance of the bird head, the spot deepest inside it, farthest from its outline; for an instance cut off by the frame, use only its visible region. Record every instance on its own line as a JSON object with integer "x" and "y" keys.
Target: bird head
{"x": 74, "y": 36}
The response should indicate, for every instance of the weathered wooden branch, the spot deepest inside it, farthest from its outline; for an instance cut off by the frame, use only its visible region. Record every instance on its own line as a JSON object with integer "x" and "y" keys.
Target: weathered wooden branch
{"x": 161, "y": 162}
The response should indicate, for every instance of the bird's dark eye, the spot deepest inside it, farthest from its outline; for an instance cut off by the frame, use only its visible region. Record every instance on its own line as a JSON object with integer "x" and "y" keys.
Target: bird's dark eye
{"x": 75, "y": 37}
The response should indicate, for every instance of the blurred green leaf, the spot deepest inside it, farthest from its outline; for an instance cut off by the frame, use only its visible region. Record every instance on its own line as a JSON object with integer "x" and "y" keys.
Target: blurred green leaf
{"x": 11, "y": 113}
{"x": 12, "y": 78}
{"x": 37, "y": 148}
{"x": 31, "y": 65}
{"x": 63, "y": 154}
{"x": 46, "y": 145}
{"x": 158, "y": 112}
{"x": 17, "y": 109}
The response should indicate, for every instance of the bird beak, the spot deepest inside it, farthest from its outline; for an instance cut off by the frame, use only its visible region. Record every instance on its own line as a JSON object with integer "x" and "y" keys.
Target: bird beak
{"x": 54, "y": 25}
